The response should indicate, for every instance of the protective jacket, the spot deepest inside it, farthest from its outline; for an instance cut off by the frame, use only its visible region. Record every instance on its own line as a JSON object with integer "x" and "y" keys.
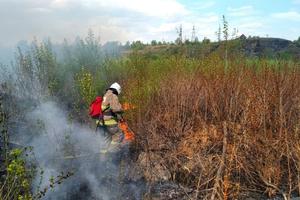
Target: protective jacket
{"x": 111, "y": 108}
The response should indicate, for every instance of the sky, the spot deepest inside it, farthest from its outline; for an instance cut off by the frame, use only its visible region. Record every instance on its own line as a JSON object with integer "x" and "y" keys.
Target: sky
{"x": 129, "y": 20}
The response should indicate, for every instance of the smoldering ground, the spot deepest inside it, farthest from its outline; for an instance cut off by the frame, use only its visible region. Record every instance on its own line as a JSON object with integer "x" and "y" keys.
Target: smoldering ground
{"x": 60, "y": 146}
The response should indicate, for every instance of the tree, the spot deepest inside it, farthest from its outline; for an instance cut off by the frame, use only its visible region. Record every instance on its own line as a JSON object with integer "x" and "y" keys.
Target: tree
{"x": 205, "y": 40}
{"x": 137, "y": 45}
{"x": 187, "y": 41}
{"x": 225, "y": 35}
{"x": 153, "y": 42}
{"x": 225, "y": 29}
{"x": 127, "y": 45}
{"x": 298, "y": 42}
{"x": 219, "y": 34}
{"x": 112, "y": 48}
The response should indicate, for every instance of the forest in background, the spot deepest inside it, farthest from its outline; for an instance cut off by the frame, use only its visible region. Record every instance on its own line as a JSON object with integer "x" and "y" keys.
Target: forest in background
{"x": 207, "y": 115}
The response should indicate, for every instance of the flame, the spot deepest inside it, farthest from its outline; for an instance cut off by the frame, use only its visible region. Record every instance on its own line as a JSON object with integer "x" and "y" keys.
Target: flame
{"x": 129, "y": 135}
{"x": 127, "y": 106}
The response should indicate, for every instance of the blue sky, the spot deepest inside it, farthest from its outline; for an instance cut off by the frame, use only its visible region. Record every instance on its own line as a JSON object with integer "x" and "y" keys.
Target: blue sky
{"x": 125, "y": 20}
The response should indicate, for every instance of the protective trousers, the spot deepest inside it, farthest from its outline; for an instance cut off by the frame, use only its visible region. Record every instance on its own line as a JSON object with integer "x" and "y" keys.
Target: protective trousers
{"x": 113, "y": 138}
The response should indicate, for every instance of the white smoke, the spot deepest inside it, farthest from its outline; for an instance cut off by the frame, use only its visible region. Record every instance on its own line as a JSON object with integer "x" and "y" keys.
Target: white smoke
{"x": 63, "y": 146}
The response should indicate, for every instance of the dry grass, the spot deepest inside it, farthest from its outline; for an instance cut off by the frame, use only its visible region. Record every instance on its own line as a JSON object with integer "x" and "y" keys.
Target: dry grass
{"x": 226, "y": 134}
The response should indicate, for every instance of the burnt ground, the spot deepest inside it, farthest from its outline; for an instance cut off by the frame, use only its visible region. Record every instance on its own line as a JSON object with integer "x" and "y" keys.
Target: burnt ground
{"x": 122, "y": 178}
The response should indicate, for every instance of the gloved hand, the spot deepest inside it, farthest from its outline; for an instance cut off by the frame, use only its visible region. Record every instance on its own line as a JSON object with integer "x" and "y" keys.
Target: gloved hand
{"x": 120, "y": 117}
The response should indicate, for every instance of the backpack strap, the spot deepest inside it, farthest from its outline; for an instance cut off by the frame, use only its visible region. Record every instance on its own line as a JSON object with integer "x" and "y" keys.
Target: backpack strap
{"x": 101, "y": 118}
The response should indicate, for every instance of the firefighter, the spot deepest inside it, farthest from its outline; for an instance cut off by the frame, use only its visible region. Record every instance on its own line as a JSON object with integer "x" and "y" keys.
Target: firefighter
{"x": 112, "y": 115}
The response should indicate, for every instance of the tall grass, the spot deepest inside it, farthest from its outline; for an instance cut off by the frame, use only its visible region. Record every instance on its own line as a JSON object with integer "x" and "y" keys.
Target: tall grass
{"x": 222, "y": 133}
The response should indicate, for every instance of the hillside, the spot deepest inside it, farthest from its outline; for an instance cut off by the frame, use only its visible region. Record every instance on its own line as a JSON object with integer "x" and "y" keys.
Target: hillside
{"x": 251, "y": 47}
{"x": 269, "y": 47}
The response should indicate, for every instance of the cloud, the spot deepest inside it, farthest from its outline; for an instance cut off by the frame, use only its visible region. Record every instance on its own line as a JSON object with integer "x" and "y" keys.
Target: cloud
{"x": 156, "y": 8}
{"x": 113, "y": 20}
{"x": 202, "y": 5}
{"x": 290, "y": 15}
{"x": 58, "y": 4}
{"x": 165, "y": 27}
{"x": 205, "y": 26}
{"x": 248, "y": 20}
{"x": 208, "y": 4}
{"x": 296, "y": 1}
{"x": 122, "y": 20}
{"x": 241, "y": 11}
{"x": 251, "y": 25}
